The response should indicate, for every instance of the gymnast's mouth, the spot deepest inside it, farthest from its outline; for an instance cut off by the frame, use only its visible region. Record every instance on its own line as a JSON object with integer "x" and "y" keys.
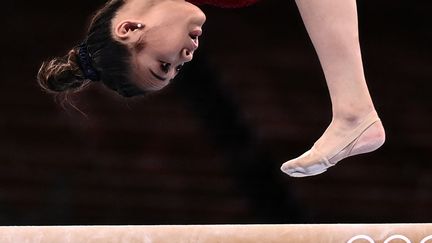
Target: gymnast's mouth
{"x": 194, "y": 35}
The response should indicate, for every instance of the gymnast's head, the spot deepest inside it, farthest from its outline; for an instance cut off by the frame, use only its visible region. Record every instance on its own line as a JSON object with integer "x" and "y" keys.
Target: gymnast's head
{"x": 132, "y": 46}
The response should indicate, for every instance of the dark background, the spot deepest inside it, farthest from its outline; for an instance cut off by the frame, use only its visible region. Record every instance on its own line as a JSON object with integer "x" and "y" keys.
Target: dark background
{"x": 207, "y": 150}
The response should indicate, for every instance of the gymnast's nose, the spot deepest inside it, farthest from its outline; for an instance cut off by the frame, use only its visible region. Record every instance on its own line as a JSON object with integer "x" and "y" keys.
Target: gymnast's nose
{"x": 186, "y": 55}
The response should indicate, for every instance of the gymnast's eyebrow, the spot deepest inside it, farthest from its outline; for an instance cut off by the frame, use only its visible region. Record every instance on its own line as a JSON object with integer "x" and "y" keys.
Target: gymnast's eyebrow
{"x": 157, "y": 76}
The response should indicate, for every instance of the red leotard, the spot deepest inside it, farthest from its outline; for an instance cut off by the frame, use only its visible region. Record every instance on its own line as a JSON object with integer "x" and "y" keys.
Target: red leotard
{"x": 225, "y": 3}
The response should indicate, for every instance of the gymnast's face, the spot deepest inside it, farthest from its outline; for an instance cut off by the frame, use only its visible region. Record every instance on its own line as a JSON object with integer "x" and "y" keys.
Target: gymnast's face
{"x": 162, "y": 38}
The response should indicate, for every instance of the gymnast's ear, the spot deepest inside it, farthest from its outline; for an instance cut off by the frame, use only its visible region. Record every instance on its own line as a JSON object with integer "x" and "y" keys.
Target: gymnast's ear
{"x": 128, "y": 30}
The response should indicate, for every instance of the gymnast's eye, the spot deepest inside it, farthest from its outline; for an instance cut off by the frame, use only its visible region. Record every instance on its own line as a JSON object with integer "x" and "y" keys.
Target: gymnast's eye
{"x": 179, "y": 67}
{"x": 165, "y": 67}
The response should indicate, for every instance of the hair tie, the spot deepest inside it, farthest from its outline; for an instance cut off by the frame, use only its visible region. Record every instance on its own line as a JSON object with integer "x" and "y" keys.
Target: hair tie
{"x": 85, "y": 63}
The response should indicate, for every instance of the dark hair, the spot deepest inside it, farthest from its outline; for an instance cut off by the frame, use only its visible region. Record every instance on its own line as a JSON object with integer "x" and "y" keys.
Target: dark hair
{"x": 109, "y": 58}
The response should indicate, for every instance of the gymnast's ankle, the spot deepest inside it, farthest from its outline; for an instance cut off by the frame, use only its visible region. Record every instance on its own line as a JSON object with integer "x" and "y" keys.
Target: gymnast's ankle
{"x": 351, "y": 118}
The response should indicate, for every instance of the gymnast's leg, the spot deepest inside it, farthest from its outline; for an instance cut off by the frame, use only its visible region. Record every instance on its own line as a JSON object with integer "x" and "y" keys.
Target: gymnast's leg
{"x": 355, "y": 127}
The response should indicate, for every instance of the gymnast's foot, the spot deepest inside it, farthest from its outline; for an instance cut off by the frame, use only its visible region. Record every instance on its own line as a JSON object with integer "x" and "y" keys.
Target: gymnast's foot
{"x": 343, "y": 138}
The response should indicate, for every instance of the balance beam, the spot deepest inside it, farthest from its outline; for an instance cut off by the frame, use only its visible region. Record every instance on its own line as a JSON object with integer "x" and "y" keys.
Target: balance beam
{"x": 318, "y": 233}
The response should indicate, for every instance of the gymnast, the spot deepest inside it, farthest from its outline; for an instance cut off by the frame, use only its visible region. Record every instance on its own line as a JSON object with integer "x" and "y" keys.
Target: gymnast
{"x": 136, "y": 47}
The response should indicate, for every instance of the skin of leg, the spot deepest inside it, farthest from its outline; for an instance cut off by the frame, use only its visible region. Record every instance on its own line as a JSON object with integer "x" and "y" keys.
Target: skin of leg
{"x": 332, "y": 26}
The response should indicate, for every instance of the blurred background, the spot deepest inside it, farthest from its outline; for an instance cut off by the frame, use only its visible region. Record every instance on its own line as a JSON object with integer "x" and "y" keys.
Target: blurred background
{"x": 207, "y": 150}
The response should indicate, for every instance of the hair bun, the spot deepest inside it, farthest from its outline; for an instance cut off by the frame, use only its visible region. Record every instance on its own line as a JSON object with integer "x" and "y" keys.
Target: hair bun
{"x": 62, "y": 74}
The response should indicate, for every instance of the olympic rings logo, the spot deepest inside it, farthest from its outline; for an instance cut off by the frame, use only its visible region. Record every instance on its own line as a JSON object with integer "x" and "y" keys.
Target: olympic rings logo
{"x": 427, "y": 239}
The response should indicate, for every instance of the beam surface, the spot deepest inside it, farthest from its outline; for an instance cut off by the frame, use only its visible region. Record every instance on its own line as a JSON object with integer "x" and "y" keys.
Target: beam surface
{"x": 331, "y": 233}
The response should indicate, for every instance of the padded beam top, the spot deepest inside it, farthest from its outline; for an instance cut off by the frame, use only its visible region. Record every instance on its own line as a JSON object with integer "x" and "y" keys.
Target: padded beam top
{"x": 331, "y": 233}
